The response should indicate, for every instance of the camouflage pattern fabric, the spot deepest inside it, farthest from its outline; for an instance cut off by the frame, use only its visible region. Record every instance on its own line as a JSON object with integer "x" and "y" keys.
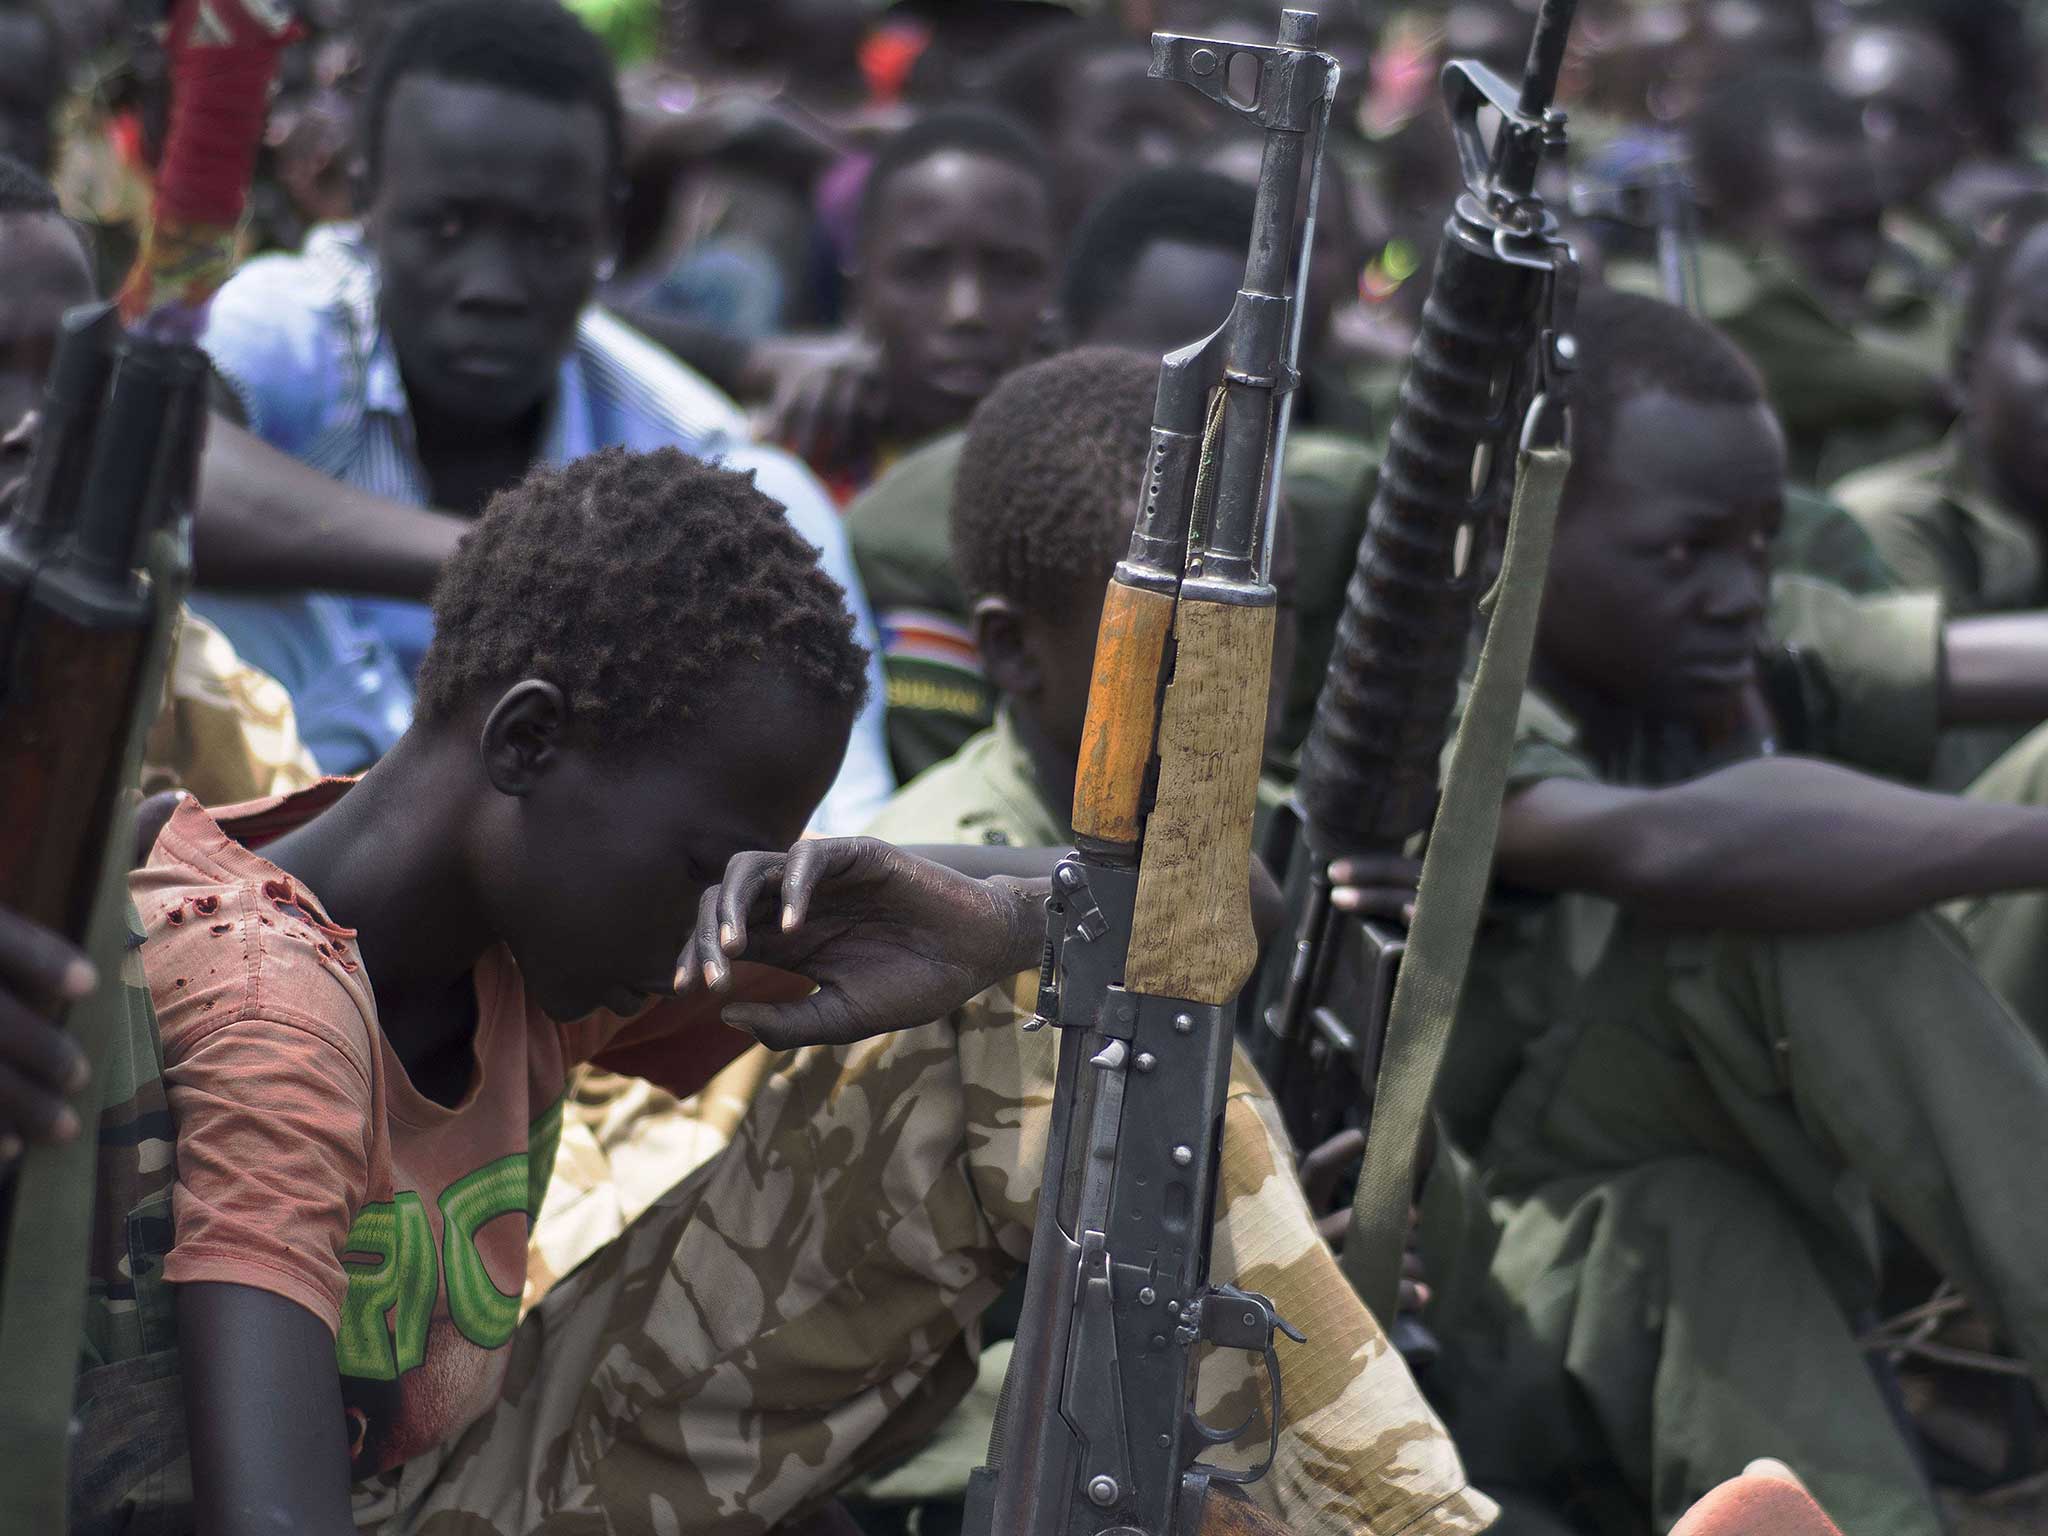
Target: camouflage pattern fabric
{"x": 804, "y": 1307}
{"x": 226, "y": 732}
{"x": 129, "y": 1407}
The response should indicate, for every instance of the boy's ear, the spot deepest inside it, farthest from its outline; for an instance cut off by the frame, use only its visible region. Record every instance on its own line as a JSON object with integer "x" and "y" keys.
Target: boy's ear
{"x": 1008, "y": 658}
{"x": 522, "y": 736}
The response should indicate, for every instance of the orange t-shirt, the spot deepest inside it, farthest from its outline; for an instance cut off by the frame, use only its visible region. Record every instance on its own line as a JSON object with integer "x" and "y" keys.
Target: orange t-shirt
{"x": 307, "y": 1163}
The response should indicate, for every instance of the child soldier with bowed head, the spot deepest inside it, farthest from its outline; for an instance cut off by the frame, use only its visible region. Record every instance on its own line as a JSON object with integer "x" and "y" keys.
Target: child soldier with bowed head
{"x": 370, "y": 996}
{"x": 1729, "y": 1028}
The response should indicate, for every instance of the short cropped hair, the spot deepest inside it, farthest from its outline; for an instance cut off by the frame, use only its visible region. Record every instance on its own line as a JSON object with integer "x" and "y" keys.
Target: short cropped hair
{"x": 636, "y": 583}
{"x": 1629, "y": 345}
{"x": 1180, "y": 203}
{"x": 1729, "y": 135}
{"x": 532, "y": 47}
{"x": 962, "y": 130}
{"x": 1049, "y": 477}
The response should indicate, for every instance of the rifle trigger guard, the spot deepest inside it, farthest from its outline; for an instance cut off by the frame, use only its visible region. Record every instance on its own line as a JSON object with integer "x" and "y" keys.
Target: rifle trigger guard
{"x": 1233, "y": 1319}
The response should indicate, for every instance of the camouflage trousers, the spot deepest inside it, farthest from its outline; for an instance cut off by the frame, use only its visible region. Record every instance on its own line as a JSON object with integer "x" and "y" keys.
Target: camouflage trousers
{"x": 802, "y": 1307}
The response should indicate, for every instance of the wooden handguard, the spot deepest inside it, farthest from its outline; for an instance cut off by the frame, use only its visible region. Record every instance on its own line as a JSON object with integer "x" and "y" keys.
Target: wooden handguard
{"x": 1116, "y": 740}
{"x": 1191, "y": 933}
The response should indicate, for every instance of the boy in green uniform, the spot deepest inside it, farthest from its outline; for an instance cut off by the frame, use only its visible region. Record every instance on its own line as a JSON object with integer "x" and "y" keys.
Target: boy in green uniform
{"x": 1800, "y": 277}
{"x": 1154, "y": 266}
{"x": 1717, "y": 1030}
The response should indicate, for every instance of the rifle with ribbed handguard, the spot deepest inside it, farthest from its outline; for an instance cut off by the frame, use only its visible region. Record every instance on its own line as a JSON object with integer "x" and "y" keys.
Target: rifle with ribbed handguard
{"x": 1492, "y": 343}
{"x": 1149, "y": 931}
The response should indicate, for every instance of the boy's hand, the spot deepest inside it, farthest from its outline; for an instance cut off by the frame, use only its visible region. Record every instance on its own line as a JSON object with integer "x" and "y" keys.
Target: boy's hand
{"x": 1376, "y": 885}
{"x": 892, "y": 940}
{"x": 39, "y": 1062}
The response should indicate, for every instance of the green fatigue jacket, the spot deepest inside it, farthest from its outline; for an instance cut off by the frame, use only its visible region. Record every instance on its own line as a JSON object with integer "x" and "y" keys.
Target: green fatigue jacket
{"x": 1940, "y": 531}
{"x": 900, "y": 531}
{"x": 1848, "y": 394}
{"x": 1360, "y": 1449}
{"x": 1678, "y": 1136}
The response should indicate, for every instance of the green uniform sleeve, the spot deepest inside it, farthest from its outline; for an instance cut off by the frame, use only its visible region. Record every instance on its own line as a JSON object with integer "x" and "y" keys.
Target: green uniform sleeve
{"x": 1872, "y": 668}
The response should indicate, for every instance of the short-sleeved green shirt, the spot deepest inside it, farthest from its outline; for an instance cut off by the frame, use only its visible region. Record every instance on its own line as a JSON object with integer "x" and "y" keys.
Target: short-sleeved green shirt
{"x": 1858, "y": 677}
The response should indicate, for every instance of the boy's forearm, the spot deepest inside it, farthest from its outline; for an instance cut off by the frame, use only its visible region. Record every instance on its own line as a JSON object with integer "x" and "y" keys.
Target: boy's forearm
{"x": 1775, "y": 844}
{"x": 1995, "y": 670}
{"x": 267, "y": 521}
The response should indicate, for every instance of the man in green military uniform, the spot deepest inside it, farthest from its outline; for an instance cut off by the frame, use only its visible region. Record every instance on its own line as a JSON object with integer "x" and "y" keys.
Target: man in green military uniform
{"x": 1851, "y": 342}
{"x": 1696, "y": 1055}
{"x": 1154, "y": 266}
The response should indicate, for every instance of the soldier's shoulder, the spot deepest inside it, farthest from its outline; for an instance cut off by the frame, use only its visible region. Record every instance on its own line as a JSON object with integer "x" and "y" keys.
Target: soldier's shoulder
{"x": 955, "y": 801}
{"x": 900, "y": 529}
{"x": 902, "y": 499}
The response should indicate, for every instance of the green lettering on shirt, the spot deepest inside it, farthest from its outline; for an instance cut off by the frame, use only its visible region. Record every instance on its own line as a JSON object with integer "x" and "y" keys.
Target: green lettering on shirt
{"x": 484, "y": 1314}
{"x": 402, "y": 1281}
{"x": 542, "y": 1138}
{"x": 390, "y": 1304}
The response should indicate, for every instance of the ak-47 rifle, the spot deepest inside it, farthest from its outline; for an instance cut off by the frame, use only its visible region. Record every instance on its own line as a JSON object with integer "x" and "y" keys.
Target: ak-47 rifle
{"x": 79, "y": 609}
{"x": 1492, "y": 344}
{"x": 1149, "y": 932}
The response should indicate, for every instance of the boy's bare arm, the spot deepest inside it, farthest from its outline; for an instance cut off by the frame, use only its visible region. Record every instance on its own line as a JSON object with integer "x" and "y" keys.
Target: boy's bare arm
{"x": 1995, "y": 669}
{"x": 266, "y": 520}
{"x": 1774, "y": 844}
{"x": 263, "y": 1415}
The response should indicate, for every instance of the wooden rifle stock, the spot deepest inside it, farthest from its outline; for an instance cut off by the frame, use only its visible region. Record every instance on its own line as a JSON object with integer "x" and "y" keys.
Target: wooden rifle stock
{"x": 81, "y": 619}
{"x": 1149, "y": 932}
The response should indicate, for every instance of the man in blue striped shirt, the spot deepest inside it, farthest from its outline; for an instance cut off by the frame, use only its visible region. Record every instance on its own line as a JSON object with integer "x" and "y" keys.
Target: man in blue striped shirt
{"x": 428, "y": 357}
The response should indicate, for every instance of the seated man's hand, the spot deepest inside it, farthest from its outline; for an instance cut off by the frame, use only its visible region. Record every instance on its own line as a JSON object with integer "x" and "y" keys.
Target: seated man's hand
{"x": 39, "y": 1062}
{"x": 891, "y": 940}
{"x": 825, "y": 396}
